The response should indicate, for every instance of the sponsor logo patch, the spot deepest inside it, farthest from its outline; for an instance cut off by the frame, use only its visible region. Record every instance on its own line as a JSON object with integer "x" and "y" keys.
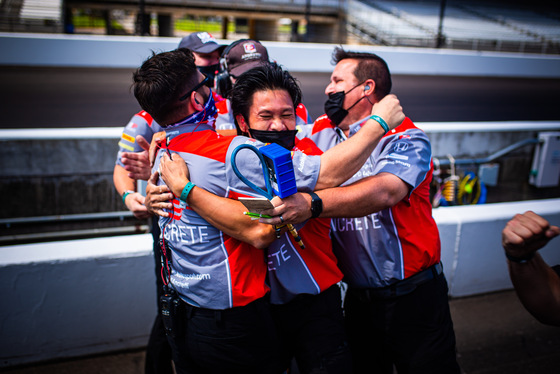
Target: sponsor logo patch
{"x": 400, "y": 147}
{"x": 128, "y": 138}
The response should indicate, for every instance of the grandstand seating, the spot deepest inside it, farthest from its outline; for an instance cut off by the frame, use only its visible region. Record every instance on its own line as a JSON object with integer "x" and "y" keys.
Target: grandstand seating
{"x": 470, "y": 25}
{"x": 496, "y": 25}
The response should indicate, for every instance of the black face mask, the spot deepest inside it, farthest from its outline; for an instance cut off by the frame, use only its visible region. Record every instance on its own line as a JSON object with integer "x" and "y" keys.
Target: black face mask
{"x": 334, "y": 106}
{"x": 286, "y": 139}
{"x": 209, "y": 71}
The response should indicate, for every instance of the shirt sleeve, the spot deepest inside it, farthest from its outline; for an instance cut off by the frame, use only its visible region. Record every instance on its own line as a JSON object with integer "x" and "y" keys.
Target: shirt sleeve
{"x": 136, "y": 126}
{"x": 407, "y": 155}
{"x": 225, "y": 120}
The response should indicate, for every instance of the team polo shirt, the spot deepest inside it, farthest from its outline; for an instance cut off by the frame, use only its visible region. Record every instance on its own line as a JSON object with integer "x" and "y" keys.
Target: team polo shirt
{"x": 143, "y": 124}
{"x": 225, "y": 120}
{"x": 293, "y": 271}
{"x": 302, "y": 115}
{"x": 140, "y": 124}
{"x": 384, "y": 247}
{"x": 209, "y": 269}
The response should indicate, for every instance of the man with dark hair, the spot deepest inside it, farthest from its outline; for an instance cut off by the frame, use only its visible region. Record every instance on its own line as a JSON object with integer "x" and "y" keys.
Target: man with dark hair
{"x": 132, "y": 165}
{"x": 370, "y": 66}
{"x": 263, "y": 79}
{"x": 219, "y": 281}
{"x": 396, "y": 307}
{"x": 305, "y": 294}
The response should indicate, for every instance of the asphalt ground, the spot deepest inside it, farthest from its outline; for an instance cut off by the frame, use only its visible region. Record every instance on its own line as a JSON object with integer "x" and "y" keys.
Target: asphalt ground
{"x": 49, "y": 97}
{"x": 495, "y": 335}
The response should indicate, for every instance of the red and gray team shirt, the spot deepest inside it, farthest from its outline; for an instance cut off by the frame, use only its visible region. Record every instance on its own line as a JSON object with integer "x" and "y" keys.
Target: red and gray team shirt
{"x": 143, "y": 124}
{"x": 293, "y": 271}
{"x": 140, "y": 124}
{"x": 395, "y": 243}
{"x": 209, "y": 268}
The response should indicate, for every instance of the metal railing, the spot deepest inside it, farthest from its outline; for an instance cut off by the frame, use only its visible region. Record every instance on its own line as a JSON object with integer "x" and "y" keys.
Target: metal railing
{"x": 6, "y": 224}
{"x": 443, "y": 161}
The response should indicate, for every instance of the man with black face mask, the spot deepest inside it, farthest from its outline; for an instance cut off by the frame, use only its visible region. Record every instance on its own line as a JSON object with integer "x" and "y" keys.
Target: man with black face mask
{"x": 220, "y": 279}
{"x": 206, "y": 51}
{"x": 132, "y": 165}
{"x": 304, "y": 292}
{"x": 396, "y": 308}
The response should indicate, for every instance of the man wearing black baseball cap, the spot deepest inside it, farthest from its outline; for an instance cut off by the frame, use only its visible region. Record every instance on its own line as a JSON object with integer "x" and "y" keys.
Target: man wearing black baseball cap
{"x": 206, "y": 52}
{"x": 237, "y": 58}
{"x": 244, "y": 55}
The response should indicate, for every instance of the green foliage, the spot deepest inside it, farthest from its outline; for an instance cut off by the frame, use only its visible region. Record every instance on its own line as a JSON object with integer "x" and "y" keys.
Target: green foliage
{"x": 191, "y": 24}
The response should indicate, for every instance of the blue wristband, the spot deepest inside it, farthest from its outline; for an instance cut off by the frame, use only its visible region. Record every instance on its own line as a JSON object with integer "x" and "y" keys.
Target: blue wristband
{"x": 186, "y": 190}
{"x": 381, "y": 122}
{"x": 125, "y": 194}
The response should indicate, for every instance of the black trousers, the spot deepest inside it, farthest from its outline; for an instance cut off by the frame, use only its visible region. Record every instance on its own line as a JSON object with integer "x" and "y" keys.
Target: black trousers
{"x": 158, "y": 351}
{"x": 414, "y": 331}
{"x": 312, "y": 330}
{"x": 240, "y": 340}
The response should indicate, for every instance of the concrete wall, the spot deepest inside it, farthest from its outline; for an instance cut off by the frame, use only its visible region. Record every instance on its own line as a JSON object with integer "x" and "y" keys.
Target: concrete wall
{"x": 126, "y": 52}
{"x": 72, "y": 298}
{"x": 472, "y": 254}
{"x": 74, "y": 174}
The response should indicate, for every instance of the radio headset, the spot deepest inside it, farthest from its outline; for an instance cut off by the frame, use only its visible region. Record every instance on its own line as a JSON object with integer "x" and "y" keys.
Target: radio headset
{"x": 223, "y": 81}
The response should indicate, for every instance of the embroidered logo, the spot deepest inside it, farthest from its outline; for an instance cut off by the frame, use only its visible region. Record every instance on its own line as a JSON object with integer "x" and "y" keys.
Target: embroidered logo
{"x": 249, "y": 48}
{"x": 205, "y": 37}
{"x": 400, "y": 147}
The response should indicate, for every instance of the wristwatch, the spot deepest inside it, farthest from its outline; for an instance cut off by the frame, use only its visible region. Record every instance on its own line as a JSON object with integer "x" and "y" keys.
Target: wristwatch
{"x": 316, "y": 205}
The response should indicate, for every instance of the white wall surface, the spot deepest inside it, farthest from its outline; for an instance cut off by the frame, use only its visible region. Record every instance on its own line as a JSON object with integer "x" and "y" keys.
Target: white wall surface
{"x": 130, "y": 51}
{"x": 74, "y": 298}
{"x": 472, "y": 252}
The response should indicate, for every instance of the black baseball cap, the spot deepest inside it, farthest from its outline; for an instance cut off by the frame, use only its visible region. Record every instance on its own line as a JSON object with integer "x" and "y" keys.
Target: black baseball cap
{"x": 200, "y": 42}
{"x": 245, "y": 55}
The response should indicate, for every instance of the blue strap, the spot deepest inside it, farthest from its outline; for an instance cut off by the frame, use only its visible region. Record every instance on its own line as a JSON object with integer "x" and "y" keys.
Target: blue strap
{"x": 268, "y": 194}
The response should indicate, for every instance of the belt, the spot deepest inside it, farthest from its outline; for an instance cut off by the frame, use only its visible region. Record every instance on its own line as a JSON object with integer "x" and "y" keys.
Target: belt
{"x": 219, "y": 314}
{"x": 399, "y": 288}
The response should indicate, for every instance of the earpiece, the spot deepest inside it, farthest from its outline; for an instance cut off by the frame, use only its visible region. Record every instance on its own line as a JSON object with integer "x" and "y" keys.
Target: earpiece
{"x": 367, "y": 87}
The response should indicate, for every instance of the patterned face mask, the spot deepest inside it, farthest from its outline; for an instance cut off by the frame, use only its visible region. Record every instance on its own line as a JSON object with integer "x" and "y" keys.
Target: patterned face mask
{"x": 207, "y": 115}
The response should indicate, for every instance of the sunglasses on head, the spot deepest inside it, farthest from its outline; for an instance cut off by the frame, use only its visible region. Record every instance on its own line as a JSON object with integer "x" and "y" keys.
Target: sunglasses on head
{"x": 205, "y": 82}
